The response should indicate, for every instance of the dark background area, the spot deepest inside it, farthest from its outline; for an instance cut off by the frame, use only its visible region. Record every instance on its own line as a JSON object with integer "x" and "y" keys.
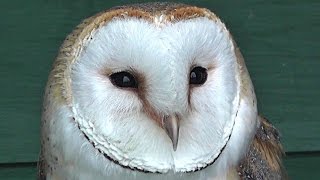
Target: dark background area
{"x": 279, "y": 41}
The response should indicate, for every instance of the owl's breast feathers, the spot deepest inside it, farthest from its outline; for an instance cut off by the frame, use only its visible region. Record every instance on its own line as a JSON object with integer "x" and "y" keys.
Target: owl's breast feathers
{"x": 263, "y": 159}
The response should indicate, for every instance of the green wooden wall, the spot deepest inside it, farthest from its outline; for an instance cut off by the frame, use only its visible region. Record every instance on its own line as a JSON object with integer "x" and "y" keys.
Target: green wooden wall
{"x": 278, "y": 38}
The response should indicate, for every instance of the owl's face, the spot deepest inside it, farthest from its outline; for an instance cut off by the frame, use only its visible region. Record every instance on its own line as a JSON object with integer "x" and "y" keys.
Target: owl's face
{"x": 158, "y": 95}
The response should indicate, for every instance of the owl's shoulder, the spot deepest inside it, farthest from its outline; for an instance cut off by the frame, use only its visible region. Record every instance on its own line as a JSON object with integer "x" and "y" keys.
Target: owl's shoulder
{"x": 263, "y": 159}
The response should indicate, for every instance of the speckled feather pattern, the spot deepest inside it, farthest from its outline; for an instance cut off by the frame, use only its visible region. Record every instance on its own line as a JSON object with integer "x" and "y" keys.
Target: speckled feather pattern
{"x": 263, "y": 159}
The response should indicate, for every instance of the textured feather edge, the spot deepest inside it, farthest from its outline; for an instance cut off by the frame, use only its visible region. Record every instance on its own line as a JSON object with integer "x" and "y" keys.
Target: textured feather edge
{"x": 264, "y": 158}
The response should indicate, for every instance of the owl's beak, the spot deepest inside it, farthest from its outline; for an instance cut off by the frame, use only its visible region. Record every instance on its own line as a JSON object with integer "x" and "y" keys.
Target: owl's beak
{"x": 171, "y": 126}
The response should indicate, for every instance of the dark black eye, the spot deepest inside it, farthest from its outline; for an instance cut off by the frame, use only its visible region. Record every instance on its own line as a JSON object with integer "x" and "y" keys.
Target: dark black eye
{"x": 198, "y": 75}
{"x": 123, "y": 79}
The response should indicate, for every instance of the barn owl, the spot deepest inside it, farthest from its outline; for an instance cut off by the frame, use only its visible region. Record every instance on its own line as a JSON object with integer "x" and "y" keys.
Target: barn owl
{"x": 154, "y": 91}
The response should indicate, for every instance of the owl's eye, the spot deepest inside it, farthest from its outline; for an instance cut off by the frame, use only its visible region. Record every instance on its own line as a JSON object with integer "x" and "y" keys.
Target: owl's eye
{"x": 123, "y": 79}
{"x": 198, "y": 75}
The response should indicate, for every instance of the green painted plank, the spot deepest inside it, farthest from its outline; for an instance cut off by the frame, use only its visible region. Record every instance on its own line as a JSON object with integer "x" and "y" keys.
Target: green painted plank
{"x": 18, "y": 173}
{"x": 302, "y": 167}
{"x": 278, "y": 39}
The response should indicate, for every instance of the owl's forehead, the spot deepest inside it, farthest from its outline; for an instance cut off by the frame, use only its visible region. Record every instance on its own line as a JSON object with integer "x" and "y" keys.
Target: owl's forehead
{"x": 171, "y": 36}
{"x": 157, "y": 27}
{"x": 139, "y": 41}
{"x": 135, "y": 31}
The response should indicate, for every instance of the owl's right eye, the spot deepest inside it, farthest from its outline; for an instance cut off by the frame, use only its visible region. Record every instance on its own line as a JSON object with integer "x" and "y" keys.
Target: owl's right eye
{"x": 123, "y": 79}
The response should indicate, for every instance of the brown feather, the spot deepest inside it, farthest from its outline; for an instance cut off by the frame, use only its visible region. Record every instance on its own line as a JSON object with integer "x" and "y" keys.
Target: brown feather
{"x": 263, "y": 159}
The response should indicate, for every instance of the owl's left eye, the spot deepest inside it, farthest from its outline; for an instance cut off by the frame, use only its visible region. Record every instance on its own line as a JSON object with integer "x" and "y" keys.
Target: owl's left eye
{"x": 123, "y": 79}
{"x": 198, "y": 75}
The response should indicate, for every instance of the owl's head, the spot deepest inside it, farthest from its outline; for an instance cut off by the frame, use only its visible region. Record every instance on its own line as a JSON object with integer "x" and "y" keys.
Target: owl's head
{"x": 158, "y": 87}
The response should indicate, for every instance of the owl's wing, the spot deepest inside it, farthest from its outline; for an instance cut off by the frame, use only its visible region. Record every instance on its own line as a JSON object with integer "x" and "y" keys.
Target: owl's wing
{"x": 263, "y": 160}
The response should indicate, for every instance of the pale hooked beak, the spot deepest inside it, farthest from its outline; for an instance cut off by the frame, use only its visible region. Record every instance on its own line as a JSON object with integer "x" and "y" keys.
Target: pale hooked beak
{"x": 171, "y": 125}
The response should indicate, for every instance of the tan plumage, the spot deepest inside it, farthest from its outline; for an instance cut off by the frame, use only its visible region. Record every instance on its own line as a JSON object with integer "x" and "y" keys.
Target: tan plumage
{"x": 263, "y": 159}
